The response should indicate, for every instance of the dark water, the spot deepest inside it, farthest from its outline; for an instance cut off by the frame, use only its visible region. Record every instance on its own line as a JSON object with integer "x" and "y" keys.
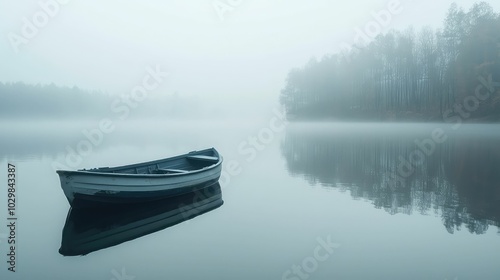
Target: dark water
{"x": 317, "y": 201}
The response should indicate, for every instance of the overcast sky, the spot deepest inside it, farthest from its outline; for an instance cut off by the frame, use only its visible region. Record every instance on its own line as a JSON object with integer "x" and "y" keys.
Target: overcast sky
{"x": 107, "y": 45}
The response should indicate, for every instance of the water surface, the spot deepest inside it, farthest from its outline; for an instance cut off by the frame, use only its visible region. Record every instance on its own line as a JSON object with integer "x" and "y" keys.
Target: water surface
{"x": 311, "y": 184}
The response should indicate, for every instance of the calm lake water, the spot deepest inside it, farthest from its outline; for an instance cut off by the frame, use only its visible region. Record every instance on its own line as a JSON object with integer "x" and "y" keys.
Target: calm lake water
{"x": 314, "y": 201}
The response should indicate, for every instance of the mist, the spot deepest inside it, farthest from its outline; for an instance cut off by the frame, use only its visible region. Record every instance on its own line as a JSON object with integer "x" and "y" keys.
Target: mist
{"x": 340, "y": 140}
{"x": 221, "y": 55}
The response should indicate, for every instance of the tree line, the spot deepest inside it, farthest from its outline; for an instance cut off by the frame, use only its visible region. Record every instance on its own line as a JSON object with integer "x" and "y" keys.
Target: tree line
{"x": 26, "y": 101}
{"x": 20, "y": 100}
{"x": 406, "y": 75}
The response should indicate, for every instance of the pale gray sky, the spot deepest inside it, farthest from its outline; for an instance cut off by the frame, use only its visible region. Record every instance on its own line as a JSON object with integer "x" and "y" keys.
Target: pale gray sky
{"x": 107, "y": 45}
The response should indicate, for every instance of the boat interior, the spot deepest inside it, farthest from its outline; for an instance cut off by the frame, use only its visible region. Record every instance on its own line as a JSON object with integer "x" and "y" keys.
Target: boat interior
{"x": 175, "y": 165}
{"x": 189, "y": 163}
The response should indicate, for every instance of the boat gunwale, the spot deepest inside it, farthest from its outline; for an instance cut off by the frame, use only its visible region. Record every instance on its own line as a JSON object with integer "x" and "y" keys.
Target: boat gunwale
{"x": 89, "y": 172}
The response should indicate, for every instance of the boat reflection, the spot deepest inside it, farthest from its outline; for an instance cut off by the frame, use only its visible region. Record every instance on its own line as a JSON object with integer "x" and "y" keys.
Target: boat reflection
{"x": 89, "y": 230}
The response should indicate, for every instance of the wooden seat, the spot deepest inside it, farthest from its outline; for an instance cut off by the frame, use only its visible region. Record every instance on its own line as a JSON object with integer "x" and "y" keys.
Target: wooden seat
{"x": 167, "y": 170}
{"x": 204, "y": 158}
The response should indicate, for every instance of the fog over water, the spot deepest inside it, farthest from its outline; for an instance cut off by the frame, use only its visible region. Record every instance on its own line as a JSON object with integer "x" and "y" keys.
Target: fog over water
{"x": 359, "y": 139}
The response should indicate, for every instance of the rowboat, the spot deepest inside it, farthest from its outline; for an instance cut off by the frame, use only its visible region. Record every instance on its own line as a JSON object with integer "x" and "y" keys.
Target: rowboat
{"x": 141, "y": 182}
{"x": 92, "y": 229}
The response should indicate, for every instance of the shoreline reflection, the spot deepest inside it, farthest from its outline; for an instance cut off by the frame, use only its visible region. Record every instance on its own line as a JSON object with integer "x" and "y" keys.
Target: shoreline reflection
{"x": 460, "y": 180}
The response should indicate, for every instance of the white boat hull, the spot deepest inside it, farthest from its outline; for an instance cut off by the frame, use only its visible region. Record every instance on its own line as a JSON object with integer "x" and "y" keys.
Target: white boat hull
{"x": 88, "y": 187}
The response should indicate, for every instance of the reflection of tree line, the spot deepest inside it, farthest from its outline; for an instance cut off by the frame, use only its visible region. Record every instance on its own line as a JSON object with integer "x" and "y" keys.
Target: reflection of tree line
{"x": 474, "y": 171}
{"x": 460, "y": 179}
